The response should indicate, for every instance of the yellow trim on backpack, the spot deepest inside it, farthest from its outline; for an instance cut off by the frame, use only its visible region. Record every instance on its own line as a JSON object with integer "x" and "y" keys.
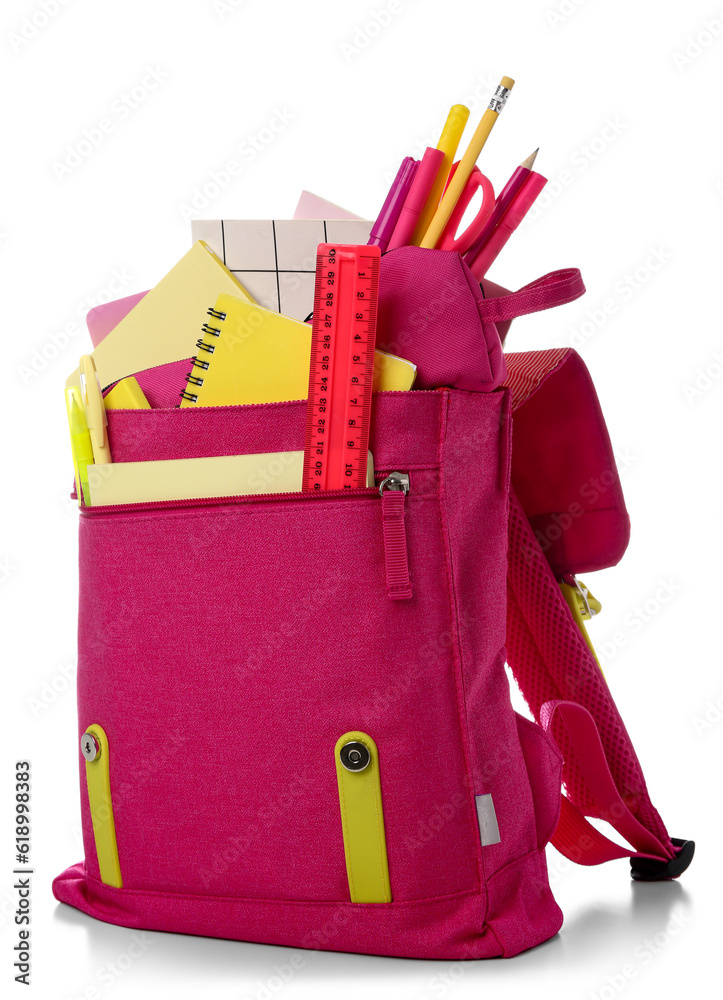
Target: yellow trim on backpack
{"x": 362, "y": 821}
{"x": 97, "y": 774}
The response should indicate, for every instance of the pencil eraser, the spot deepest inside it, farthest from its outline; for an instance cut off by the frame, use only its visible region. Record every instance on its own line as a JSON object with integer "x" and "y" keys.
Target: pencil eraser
{"x": 507, "y": 82}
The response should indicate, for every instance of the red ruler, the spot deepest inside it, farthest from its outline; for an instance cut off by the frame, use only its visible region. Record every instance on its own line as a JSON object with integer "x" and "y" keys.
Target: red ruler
{"x": 342, "y": 366}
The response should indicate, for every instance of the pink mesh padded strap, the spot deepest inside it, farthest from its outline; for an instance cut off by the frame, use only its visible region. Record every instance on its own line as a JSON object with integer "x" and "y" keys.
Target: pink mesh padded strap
{"x": 552, "y": 663}
{"x": 553, "y": 289}
{"x": 575, "y": 836}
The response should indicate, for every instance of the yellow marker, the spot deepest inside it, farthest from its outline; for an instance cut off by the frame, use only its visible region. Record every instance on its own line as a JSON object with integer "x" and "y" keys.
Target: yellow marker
{"x": 95, "y": 415}
{"x": 94, "y": 747}
{"x": 126, "y": 395}
{"x": 463, "y": 171}
{"x": 448, "y": 143}
{"x": 362, "y": 818}
{"x": 79, "y": 442}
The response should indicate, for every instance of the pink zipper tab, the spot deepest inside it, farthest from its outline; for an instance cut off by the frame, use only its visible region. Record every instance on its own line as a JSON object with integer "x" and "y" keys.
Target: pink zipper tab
{"x": 394, "y": 490}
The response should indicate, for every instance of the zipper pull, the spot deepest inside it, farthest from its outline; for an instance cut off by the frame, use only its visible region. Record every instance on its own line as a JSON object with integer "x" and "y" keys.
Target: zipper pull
{"x": 393, "y": 491}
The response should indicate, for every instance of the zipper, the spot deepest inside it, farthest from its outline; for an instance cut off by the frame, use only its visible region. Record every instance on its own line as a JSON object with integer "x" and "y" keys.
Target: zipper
{"x": 123, "y": 508}
{"x": 394, "y": 489}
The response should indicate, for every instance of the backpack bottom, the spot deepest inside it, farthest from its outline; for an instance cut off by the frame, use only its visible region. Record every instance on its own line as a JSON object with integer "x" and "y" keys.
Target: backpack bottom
{"x": 521, "y": 914}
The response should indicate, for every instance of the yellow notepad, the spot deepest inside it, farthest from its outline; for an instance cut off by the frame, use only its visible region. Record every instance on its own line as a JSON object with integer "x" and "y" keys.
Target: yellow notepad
{"x": 163, "y": 326}
{"x": 254, "y": 355}
{"x": 195, "y": 478}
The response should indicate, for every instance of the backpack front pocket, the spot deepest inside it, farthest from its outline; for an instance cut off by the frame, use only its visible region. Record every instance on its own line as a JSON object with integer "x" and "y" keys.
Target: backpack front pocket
{"x": 225, "y": 647}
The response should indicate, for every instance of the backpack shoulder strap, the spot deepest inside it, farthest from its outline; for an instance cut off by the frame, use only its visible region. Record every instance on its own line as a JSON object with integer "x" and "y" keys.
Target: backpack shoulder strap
{"x": 558, "y": 673}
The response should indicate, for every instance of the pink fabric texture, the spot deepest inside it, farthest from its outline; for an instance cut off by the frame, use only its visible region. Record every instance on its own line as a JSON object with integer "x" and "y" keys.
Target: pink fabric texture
{"x": 563, "y": 467}
{"x": 247, "y": 636}
{"x": 433, "y": 312}
{"x": 429, "y": 313}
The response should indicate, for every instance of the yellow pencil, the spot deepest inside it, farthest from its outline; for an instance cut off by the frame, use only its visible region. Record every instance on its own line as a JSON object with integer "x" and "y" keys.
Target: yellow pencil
{"x": 461, "y": 176}
{"x": 448, "y": 143}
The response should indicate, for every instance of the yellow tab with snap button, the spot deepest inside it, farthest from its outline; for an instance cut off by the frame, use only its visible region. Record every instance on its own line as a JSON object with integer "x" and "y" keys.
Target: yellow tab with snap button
{"x": 362, "y": 818}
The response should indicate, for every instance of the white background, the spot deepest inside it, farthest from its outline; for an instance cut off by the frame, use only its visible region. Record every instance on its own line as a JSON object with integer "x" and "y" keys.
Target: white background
{"x": 640, "y": 198}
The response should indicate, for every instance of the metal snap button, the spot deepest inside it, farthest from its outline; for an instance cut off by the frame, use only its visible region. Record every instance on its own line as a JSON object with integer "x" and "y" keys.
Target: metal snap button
{"x": 354, "y": 756}
{"x": 89, "y": 746}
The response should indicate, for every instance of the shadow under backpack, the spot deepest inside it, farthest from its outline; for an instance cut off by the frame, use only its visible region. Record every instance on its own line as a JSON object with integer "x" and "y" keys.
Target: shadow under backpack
{"x": 294, "y": 717}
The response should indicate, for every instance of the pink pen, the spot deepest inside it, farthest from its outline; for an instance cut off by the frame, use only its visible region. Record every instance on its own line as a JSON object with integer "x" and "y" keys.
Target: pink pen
{"x": 417, "y": 197}
{"x": 381, "y": 231}
{"x": 505, "y": 198}
{"x": 521, "y": 205}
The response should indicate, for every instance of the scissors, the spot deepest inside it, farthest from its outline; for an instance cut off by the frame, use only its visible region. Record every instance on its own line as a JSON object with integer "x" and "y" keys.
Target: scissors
{"x": 449, "y": 240}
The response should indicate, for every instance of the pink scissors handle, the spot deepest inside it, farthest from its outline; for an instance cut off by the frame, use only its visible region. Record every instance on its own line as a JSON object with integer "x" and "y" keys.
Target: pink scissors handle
{"x": 449, "y": 240}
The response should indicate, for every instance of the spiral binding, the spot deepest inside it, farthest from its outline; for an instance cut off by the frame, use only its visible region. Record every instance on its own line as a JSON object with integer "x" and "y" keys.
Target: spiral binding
{"x": 214, "y": 331}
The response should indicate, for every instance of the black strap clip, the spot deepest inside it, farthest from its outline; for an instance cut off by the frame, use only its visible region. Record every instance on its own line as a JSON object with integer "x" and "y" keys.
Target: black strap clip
{"x": 651, "y": 870}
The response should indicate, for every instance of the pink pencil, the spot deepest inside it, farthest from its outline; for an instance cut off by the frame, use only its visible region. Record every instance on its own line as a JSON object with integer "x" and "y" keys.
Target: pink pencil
{"x": 417, "y": 197}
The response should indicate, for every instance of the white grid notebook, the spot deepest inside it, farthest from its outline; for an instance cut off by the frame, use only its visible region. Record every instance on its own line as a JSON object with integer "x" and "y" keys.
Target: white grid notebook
{"x": 275, "y": 259}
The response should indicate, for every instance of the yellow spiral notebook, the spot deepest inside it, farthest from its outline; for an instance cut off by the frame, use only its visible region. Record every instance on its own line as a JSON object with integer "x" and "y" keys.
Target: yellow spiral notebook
{"x": 248, "y": 354}
{"x": 162, "y": 327}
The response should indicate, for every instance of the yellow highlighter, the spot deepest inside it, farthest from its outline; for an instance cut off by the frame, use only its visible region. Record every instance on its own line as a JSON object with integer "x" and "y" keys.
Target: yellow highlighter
{"x": 448, "y": 143}
{"x": 126, "y": 395}
{"x": 80, "y": 442}
{"x": 95, "y": 415}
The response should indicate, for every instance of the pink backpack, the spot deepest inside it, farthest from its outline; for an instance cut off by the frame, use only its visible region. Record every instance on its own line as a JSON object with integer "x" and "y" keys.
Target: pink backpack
{"x": 294, "y": 717}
